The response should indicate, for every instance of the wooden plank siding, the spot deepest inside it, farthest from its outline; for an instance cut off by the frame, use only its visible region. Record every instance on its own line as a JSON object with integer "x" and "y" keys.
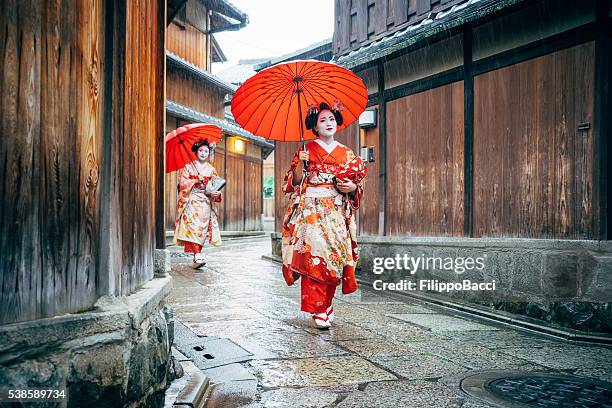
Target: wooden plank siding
{"x": 360, "y": 22}
{"x": 369, "y": 210}
{"x": 183, "y": 88}
{"x": 533, "y": 169}
{"x": 219, "y": 164}
{"x": 51, "y": 158}
{"x": 234, "y": 192}
{"x": 58, "y": 123}
{"x": 133, "y": 160}
{"x": 425, "y": 163}
{"x": 188, "y": 43}
{"x": 283, "y": 155}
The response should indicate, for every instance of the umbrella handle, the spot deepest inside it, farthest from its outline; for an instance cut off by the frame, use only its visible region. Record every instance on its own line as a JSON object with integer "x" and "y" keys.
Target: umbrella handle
{"x": 305, "y": 162}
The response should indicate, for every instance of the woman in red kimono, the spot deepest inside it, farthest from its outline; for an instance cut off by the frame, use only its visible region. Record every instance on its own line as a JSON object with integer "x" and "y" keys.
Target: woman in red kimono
{"x": 319, "y": 231}
{"x": 196, "y": 222}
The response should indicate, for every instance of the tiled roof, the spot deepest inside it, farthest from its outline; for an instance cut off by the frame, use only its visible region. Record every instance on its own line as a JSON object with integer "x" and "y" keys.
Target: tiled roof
{"x": 321, "y": 47}
{"x": 174, "y": 59}
{"x": 187, "y": 113}
{"x": 433, "y": 24}
{"x": 237, "y": 74}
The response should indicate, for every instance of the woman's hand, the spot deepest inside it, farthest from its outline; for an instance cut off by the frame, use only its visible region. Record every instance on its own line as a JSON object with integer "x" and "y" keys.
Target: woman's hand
{"x": 215, "y": 194}
{"x": 304, "y": 155}
{"x": 200, "y": 177}
{"x": 346, "y": 186}
{"x": 299, "y": 169}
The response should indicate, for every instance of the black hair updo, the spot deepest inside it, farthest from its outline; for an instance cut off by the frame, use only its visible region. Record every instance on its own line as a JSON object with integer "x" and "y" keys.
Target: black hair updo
{"x": 313, "y": 115}
{"x": 198, "y": 144}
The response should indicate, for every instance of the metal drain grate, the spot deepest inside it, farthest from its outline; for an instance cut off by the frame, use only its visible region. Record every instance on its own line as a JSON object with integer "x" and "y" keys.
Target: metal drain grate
{"x": 207, "y": 352}
{"x": 527, "y": 389}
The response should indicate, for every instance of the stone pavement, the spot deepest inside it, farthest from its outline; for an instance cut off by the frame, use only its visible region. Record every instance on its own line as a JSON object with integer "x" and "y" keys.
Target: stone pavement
{"x": 380, "y": 352}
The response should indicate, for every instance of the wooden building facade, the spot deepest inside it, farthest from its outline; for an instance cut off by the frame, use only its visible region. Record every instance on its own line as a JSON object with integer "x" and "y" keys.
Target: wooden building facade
{"x": 193, "y": 94}
{"x": 81, "y": 142}
{"x": 493, "y": 116}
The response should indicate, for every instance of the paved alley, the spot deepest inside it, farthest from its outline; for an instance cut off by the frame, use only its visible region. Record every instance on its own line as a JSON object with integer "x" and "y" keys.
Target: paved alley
{"x": 380, "y": 352}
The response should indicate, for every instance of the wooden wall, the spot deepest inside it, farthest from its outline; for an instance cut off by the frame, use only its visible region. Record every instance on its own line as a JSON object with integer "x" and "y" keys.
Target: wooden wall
{"x": 359, "y": 22}
{"x": 183, "y": 88}
{"x": 77, "y": 153}
{"x": 234, "y": 192}
{"x": 219, "y": 163}
{"x": 370, "y": 209}
{"x": 188, "y": 43}
{"x": 283, "y": 155}
{"x": 533, "y": 168}
{"x": 425, "y": 163}
{"x": 253, "y": 191}
{"x": 51, "y": 126}
{"x": 138, "y": 129}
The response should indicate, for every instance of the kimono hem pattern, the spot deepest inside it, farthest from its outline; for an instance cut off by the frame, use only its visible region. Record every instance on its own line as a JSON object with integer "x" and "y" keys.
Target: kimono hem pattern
{"x": 319, "y": 230}
{"x": 196, "y": 221}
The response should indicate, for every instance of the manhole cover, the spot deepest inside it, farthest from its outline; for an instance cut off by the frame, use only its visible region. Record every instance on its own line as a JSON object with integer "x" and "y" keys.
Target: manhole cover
{"x": 521, "y": 389}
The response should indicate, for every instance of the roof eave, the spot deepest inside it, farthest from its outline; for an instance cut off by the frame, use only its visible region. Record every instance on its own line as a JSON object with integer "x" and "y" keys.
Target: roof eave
{"x": 179, "y": 62}
{"x": 428, "y": 29}
{"x": 184, "y": 112}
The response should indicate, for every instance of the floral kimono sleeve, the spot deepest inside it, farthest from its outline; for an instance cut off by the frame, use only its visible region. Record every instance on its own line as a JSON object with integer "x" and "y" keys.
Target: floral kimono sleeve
{"x": 186, "y": 181}
{"x": 288, "y": 186}
{"x": 355, "y": 196}
{"x": 355, "y": 170}
{"x": 213, "y": 175}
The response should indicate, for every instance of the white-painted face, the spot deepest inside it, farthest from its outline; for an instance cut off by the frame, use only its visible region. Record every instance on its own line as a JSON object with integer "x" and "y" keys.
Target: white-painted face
{"x": 203, "y": 153}
{"x": 326, "y": 124}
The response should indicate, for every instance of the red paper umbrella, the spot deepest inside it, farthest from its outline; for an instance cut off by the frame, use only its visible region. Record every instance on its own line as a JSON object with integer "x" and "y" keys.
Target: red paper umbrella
{"x": 180, "y": 140}
{"x": 273, "y": 102}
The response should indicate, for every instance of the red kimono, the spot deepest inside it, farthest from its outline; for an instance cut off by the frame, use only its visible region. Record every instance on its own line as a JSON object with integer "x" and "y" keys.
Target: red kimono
{"x": 319, "y": 230}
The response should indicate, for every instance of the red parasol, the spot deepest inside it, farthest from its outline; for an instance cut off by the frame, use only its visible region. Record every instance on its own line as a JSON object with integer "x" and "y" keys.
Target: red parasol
{"x": 273, "y": 102}
{"x": 180, "y": 140}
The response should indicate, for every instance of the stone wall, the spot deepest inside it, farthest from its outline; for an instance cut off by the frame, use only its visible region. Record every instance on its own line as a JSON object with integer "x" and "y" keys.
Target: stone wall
{"x": 561, "y": 282}
{"x": 116, "y": 355}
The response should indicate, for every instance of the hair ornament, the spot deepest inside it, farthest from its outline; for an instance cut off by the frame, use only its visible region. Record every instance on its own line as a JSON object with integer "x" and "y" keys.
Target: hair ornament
{"x": 338, "y": 106}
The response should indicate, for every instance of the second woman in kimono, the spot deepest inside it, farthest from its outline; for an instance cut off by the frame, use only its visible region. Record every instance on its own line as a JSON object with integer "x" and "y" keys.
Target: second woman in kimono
{"x": 319, "y": 232}
{"x": 196, "y": 223}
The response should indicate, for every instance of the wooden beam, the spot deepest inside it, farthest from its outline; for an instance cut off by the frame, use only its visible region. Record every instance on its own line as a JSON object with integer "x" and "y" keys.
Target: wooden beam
{"x": 109, "y": 263}
{"x": 603, "y": 134}
{"x": 382, "y": 138}
{"x": 468, "y": 134}
{"x": 160, "y": 115}
{"x": 548, "y": 45}
{"x": 424, "y": 84}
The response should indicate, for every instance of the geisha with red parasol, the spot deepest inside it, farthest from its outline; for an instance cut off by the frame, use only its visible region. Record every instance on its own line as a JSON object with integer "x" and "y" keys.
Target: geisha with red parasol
{"x": 189, "y": 150}
{"x": 325, "y": 179}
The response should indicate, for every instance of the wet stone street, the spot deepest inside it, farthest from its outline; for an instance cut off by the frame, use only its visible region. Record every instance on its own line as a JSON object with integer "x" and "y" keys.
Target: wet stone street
{"x": 380, "y": 351}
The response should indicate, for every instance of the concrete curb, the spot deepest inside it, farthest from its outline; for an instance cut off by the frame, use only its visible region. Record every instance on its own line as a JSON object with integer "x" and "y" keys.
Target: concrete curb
{"x": 194, "y": 393}
{"x": 272, "y": 258}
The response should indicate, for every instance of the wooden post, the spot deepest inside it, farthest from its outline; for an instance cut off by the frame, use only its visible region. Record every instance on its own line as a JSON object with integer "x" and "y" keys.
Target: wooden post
{"x": 603, "y": 110}
{"x": 468, "y": 134}
{"x": 382, "y": 137}
{"x": 160, "y": 115}
{"x": 108, "y": 281}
